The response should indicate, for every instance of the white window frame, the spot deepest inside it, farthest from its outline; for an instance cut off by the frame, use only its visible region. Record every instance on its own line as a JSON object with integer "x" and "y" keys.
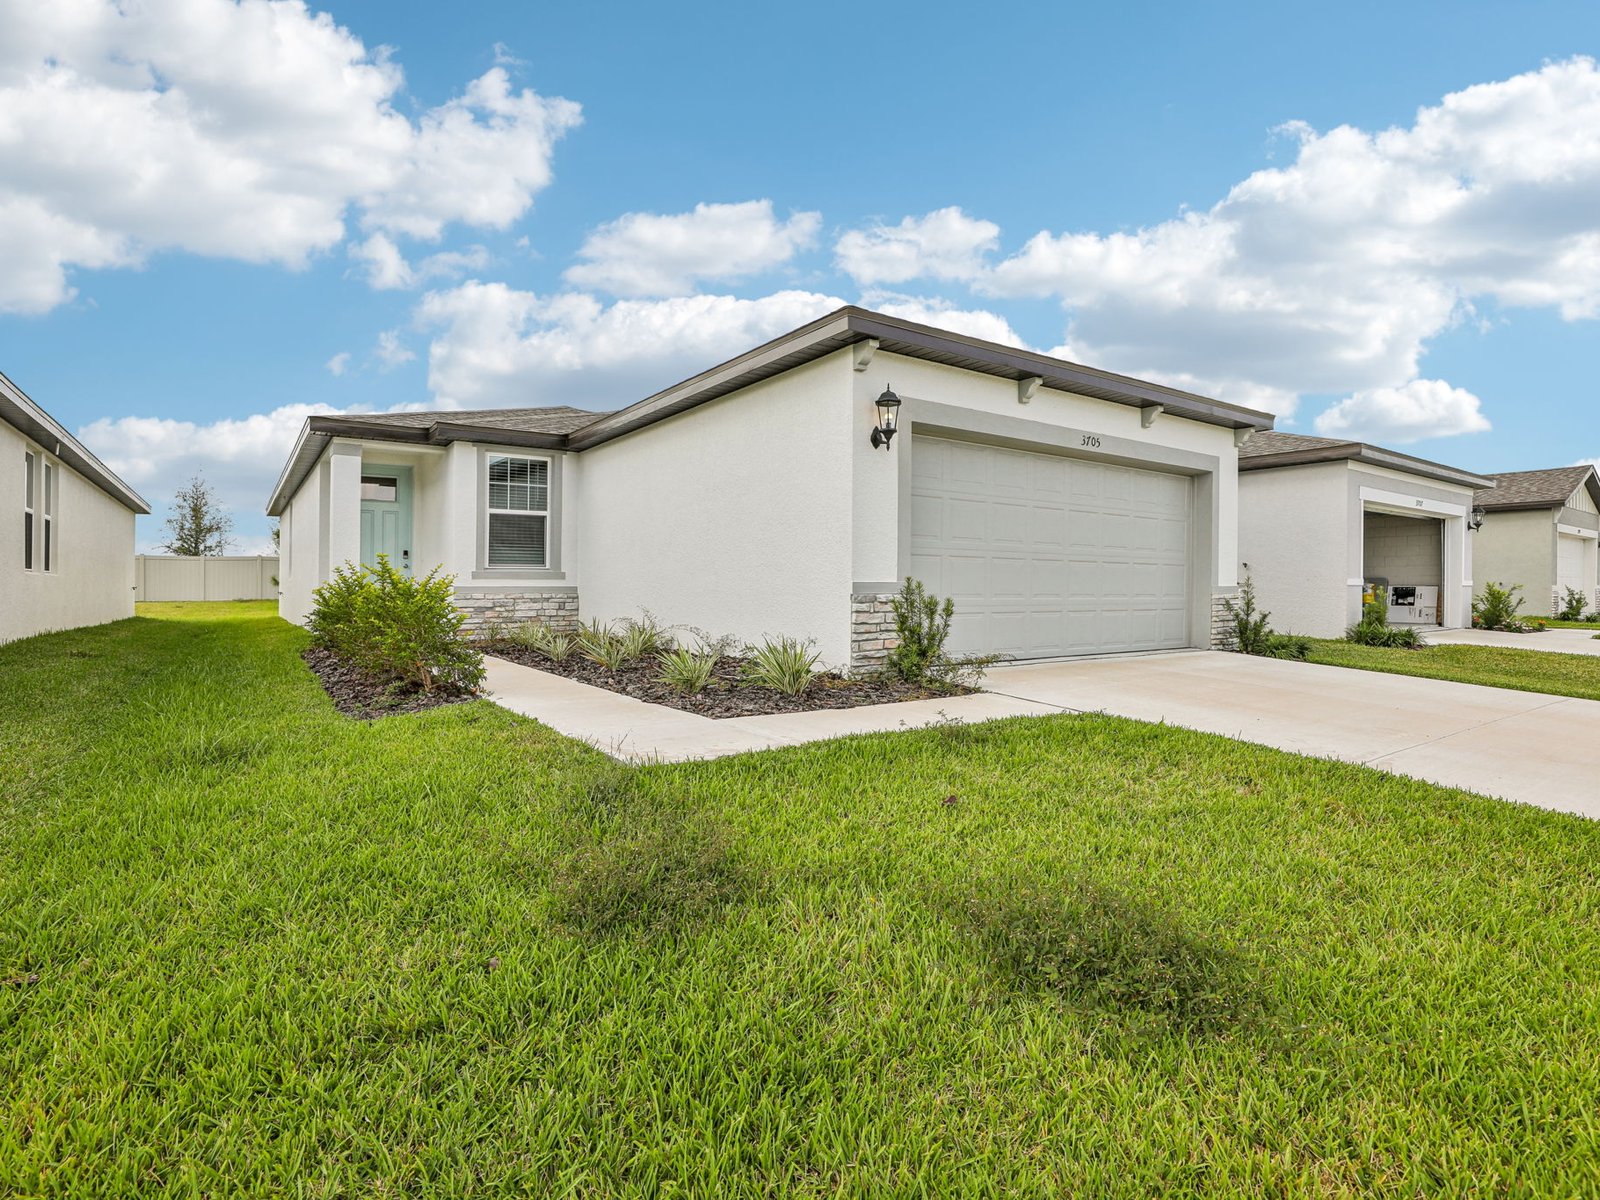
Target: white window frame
{"x": 490, "y": 511}
{"x": 41, "y": 552}
{"x": 32, "y": 476}
{"x": 48, "y": 486}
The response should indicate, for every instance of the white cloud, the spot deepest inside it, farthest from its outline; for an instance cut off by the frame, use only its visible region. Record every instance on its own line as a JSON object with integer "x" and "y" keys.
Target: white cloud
{"x": 385, "y": 267}
{"x": 946, "y": 244}
{"x": 241, "y": 130}
{"x": 1330, "y": 274}
{"x": 495, "y": 345}
{"x": 391, "y": 352}
{"x": 941, "y": 314}
{"x": 339, "y": 363}
{"x": 1422, "y": 408}
{"x": 654, "y": 254}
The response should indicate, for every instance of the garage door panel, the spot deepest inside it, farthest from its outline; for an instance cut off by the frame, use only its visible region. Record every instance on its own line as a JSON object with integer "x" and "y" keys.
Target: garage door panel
{"x": 1045, "y": 555}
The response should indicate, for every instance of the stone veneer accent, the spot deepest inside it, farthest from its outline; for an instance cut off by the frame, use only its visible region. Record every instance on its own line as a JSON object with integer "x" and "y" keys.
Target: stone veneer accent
{"x": 871, "y": 631}
{"x": 1221, "y": 622}
{"x": 557, "y": 608}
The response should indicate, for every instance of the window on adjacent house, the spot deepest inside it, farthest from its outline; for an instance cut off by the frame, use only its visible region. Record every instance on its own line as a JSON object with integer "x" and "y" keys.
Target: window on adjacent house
{"x": 519, "y": 511}
{"x": 47, "y": 495}
{"x": 30, "y": 472}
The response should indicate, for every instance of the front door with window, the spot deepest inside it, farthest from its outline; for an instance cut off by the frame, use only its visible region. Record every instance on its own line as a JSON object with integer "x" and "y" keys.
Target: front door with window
{"x": 386, "y": 515}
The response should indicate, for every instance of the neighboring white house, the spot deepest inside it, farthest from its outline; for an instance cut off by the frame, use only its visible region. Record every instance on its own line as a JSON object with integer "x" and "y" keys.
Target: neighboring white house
{"x": 1065, "y": 510}
{"x": 1540, "y": 530}
{"x": 1323, "y": 520}
{"x": 66, "y": 545}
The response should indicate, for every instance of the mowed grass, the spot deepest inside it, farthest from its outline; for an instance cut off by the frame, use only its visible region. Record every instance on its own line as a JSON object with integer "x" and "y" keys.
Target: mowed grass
{"x": 279, "y": 952}
{"x": 1558, "y": 623}
{"x": 1493, "y": 666}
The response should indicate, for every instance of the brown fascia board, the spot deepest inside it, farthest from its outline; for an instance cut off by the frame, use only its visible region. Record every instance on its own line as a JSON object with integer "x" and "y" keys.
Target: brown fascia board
{"x": 444, "y": 432}
{"x": 1374, "y": 456}
{"x": 850, "y": 325}
{"x": 22, "y": 413}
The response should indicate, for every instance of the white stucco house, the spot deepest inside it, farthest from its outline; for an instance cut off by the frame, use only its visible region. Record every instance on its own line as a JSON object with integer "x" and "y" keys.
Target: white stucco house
{"x": 66, "y": 547}
{"x": 1066, "y": 510}
{"x": 1541, "y": 530}
{"x": 1321, "y": 521}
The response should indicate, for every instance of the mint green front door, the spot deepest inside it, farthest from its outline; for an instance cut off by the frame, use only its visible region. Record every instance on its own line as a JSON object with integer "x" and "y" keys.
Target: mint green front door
{"x": 386, "y": 515}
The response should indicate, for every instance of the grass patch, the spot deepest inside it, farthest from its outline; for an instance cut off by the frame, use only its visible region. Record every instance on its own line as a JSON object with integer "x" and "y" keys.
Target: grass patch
{"x": 251, "y": 947}
{"x": 1493, "y": 666}
{"x": 1558, "y": 623}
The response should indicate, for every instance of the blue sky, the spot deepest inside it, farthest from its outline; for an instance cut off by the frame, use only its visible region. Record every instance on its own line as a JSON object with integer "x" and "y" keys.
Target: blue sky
{"x": 211, "y": 204}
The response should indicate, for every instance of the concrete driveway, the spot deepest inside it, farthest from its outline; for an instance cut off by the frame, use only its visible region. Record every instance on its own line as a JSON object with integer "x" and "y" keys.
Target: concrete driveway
{"x": 1551, "y": 641}
{"x": 1526, "y": 746}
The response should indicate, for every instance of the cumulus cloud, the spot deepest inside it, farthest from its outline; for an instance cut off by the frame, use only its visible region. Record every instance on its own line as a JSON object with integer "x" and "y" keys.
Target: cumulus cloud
{"x": 655, "y": 254}
{"x": 946, "y": 244}
{"x": 941, "y": 314}
{"x": 1423, "y": 408}
{"x": 495, "y": 345}
{"x": 339, "y": 363}
{"x": 391, "y": 352}
{"x": 384, "y": 266}
{"x": 240, "y": 130}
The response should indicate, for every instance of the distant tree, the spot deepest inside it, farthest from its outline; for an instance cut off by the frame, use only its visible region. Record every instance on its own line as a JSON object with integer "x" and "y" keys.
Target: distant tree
{"x": 198, "y": 523}
{"x": 277, "y": 528}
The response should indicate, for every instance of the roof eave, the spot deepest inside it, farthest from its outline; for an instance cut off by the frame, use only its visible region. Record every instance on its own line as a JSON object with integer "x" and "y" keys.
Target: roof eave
{"x": 1374, "y": 456}
{"x": 20, "y": 411}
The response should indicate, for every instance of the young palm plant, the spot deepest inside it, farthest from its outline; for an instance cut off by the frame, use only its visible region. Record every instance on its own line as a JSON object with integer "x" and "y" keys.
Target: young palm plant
{"x": 787, "y": 664}
{"x": 684, "y": 671}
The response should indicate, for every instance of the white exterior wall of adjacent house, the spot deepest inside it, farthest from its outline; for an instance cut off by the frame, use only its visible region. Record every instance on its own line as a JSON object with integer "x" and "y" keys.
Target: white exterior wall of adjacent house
{"x": 1294, "y": 531}
{"x": 1303, "y": 539}
{"x": 735, "y": 517}
{"x": 90, "y": 580}
{"x": 1517, "y": 548}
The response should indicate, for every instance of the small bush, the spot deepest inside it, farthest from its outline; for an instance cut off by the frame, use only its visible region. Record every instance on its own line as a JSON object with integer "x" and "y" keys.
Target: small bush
{"x": 600, "y": 643}
{"x": 1572, "y": 602}
{"x": 1108, "y": 948}
{"x": 787, "y": 665}
{"x": 1286, "y": 645}
{"x": 922, "y": 626}
{"x": 398, "y": 627}
{"x": 1497, "y": 608}
{"x": 1250, "y": 631}
{"x": 542, "y": 639}
{"x": 1374, "y": 629}
{"x": 642, "y": 637}
{"x": 685, "y": 671}
{"x": 647, "y": 865}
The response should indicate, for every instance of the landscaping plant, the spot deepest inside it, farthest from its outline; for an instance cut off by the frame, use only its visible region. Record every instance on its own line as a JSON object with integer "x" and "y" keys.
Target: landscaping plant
{"x": 685, "y": 671}
{"x": 552, "y": 643}
{"x": 396, "y": 626}
{"x": 921, "y": 628}
{"x": 1374, "y": 629}
{"x": 1251, "y": 633}
{"x": 785, "y": 664}
{"x": 1571, "y": 605}
{"x": 1497, "y": 608}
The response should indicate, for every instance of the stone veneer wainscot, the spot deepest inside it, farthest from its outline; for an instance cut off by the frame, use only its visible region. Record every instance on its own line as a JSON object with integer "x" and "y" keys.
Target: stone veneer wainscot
{"x": 556, "y": 607}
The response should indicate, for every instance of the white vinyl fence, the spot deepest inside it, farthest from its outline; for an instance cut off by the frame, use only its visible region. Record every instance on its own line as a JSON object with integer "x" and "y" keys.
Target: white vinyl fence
{"x": 228, "y": 577}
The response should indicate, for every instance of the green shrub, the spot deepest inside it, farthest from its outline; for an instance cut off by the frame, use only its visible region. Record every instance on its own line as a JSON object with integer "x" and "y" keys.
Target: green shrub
{"x": 1250, "y": 631}
{"x": 922, "y": 627}
{"x": 600, "y": 643}
{"x": 1109, "y": 948}
{"x": 1497, "y": 608}
{"x": 642, "y": 637}
{"x": 1572, "y": 602}
{"x": 542, "y": 639}
{"x": 685, "y": 671}
{"x": 645, "y": 864}
{"x": 1286, "y": 645}
{"x": 787, "y": 664}
{"x": 401, "y": 628}
{"x": 1374, "y": 629}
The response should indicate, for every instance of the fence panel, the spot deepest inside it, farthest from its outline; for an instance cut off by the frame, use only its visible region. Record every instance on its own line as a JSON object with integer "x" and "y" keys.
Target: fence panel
{"x": 225, "y": 577}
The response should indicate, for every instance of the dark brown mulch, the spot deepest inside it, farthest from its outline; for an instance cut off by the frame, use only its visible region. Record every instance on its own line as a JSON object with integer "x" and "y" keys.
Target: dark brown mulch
{"x": 725, "y": 695}
{"x": 357, "y": 693}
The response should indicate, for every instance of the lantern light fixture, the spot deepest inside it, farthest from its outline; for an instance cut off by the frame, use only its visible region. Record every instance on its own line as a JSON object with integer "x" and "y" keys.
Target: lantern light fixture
{"x": 1475, "y": 521}
{"x": 888, "y": 418}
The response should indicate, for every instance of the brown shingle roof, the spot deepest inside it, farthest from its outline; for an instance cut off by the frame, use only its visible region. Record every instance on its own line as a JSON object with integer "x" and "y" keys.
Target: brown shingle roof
{"x": 1271, "y": 449}
{"x": 1550, "y": 488}
{"x": 1274, "y": 441}
{"x": 559, "y": 420}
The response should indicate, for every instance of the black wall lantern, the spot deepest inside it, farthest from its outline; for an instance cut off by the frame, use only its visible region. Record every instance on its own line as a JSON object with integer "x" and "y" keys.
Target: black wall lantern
{"x": 888, "y": 415}
{"x": 1475, "y": 521}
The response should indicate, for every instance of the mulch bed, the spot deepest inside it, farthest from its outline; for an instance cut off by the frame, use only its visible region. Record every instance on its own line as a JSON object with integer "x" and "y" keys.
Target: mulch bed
{"x": 356, "y": 693}
{"x": 725, "y": 695}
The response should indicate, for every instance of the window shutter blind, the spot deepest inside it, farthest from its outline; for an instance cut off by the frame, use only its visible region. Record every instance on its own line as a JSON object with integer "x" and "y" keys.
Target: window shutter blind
{"x": 516, "y": 540}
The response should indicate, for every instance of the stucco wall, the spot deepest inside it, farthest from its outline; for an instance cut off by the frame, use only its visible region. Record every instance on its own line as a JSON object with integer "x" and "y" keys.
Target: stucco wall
{"x": 92, "y": 579}
{"x": 734, "y": 516}
{"x": 1518, "y": 548}
{"x": 300, "y": 536}
{"x": 1294, "y": 542}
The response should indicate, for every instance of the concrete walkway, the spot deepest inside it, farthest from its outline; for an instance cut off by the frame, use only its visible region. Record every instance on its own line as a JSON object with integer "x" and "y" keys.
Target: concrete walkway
{"x": 1525, "y": 746}
{"x": 1551, "y": 641}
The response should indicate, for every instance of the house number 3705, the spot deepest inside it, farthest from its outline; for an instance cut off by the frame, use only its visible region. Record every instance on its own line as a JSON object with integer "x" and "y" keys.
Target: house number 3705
{"x": 1090, "y": 441}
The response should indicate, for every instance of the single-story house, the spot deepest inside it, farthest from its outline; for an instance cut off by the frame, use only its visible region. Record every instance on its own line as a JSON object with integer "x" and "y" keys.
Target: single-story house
{"x": 69, "y": 560}
{"x": 1323, "y": 522}
{"x": 1540, "y": 530}
{"x": 1066, "y": 510}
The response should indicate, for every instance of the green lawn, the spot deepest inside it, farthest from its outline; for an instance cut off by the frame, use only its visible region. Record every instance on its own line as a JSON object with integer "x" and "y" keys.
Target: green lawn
{"x": 279, "y": 952}
{"x": 1493, "y": 666}
{"x": 1557, "y": 623}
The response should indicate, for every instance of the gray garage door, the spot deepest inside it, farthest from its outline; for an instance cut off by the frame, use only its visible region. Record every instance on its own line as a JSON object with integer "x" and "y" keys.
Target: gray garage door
{"x": 1048, "y": 556}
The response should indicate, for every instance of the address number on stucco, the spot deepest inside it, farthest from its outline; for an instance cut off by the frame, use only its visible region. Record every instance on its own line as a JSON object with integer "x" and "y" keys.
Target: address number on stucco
{"x": 1090, "y": 441}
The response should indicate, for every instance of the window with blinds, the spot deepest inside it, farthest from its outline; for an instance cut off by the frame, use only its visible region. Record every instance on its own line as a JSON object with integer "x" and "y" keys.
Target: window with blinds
{"x": 30, "y": 473}
{"x": 519, "y": 511}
